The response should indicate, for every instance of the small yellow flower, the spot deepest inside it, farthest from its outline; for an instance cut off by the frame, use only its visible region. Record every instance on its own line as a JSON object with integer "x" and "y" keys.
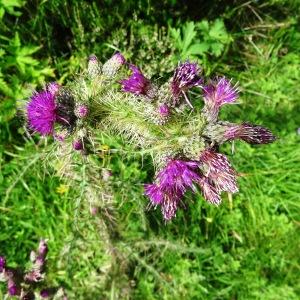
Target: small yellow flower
{"x": 104, "y": 147}
{"x": 62, "y": 189}
{"x": 104, "y": 151}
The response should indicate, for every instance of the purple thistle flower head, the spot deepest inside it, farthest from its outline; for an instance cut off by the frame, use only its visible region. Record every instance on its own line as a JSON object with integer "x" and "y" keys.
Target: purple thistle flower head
{"x": 2, "y": 263}
{"x": 138, "y": 84}
{"x": 81, "y": 111}
{"x": 164, "y": 110}
{"x": 186, "y": 76}
{"x": 41, "y": 112}
{"x": 178, "y": 174}
{"x": 217, "y": 168}
{"x": 77, "y": 145}
{"x": 172, "y": 183}
{"x": 252, "y": 134}
{"x": 217, "y": 93}
{"x": 220, "y": 92}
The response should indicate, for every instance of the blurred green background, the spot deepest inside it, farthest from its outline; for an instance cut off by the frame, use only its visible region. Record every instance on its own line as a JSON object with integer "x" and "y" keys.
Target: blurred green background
{"x": 248, "y": 248}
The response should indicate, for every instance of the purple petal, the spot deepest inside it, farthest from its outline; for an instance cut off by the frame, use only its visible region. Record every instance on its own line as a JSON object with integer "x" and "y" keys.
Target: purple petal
{"x": 219, "y": 171}
{"x": 209, "y": 192}
{"x": 154, "y": 193}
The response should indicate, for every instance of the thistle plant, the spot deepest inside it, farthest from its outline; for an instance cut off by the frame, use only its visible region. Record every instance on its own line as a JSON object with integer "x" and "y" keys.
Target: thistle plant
{"x": 28, "y": 283}
{"x": 181, "y": 133}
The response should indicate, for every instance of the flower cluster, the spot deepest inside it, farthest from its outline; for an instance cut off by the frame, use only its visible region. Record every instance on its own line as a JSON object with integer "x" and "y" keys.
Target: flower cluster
{"x": 212, "y": 172}
{"x": 27, "y": 284}
{"x": 163, "y": 120}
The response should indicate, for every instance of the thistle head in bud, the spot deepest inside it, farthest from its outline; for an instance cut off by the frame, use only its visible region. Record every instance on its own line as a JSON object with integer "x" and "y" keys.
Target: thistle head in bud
{"x": 106, "y": 174}
{"x": 94, "y": 210}
{"x": 138, "y": 84}
{"x": 13, "y": 289}
{"x": 219, "y": 92}
{"x": 94, "y": 67}
{"x": 81, "y": 111}
{"x": 45, "y": 293}
{"x": 186, "y": 76}
{"x": 53, "y": 87}
{"x": 2, "y": 263}
{"x": 164, "y": 110}
{"x": 61, "y": 135}
{"x": 43, "y": 248}
{"x": 113, "y": 65}
{"x": 252, "y": 134}
{"x": 78, "y": 145}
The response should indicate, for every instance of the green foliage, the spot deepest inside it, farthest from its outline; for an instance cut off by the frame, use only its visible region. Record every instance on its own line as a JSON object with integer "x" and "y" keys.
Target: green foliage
{"x": 201, "y": 40}
{"x": 10, "y": 6}
{"x": 20, "y": 73}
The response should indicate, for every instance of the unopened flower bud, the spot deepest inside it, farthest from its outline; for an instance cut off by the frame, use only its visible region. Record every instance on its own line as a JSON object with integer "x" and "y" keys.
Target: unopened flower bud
{"x": 164, "y": 110}
{"x": 78, "y": 145}
{"x": 94, "y": 68}
{"x": 2, "y": 263}
{"x": 12, "y": 288}
{"x": 61, "y": 135}
{"x": 112, "y": 66}
{"x": 106, "y": 174}
{"x": 94, "y": 210}
{"x": 45, "y": 293}
{"x": 43, "y": 248}
{"x": 81, "y": 111}
{"x": 53, "y": 87}
{"x": 32, "y": 256}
